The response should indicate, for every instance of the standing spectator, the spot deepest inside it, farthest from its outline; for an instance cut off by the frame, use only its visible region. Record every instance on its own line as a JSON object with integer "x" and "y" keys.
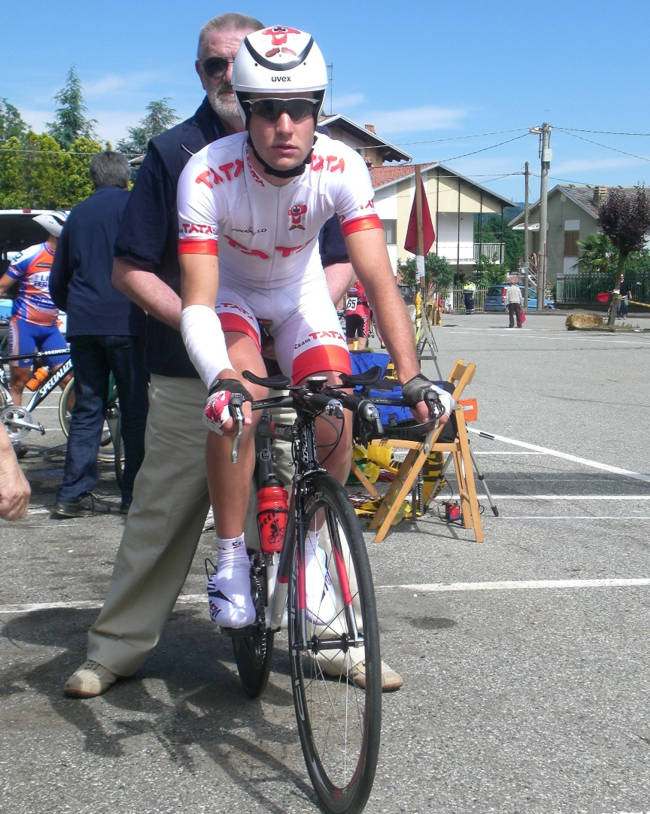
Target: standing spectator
{"x": 105, "y": 330}
{"x": 171, "y": 498}
{"x": 33, "y": 324}
{"x": 624, "y": 298}
{"x": 469, "y": 290}
{"x": 14, "y": 488}
{"x": 514, "y": 303}
{"x": 357, "y": 317}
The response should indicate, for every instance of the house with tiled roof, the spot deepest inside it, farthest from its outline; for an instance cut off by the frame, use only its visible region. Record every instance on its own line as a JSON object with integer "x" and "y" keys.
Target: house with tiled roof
{"x": 572, "y": 216}
{"x": 454, "y": 202}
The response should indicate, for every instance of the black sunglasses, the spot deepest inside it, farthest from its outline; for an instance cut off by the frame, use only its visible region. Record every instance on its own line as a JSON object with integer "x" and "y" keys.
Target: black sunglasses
{"x": 272, "y": 109}
{"x": 216, "y": 66}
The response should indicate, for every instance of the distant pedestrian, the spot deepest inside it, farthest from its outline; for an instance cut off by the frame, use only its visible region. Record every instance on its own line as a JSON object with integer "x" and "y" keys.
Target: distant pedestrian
{"x": 469, "y": 290}
{"x": 624, "y": 298}
{"x": 106, "y": 334}
{"x": 514, "y": 304}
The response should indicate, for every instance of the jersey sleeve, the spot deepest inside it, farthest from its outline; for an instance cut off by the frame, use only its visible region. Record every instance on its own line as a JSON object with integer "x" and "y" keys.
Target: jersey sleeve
{"x": 355, "y": 202}
{"x": 197, "y": 212}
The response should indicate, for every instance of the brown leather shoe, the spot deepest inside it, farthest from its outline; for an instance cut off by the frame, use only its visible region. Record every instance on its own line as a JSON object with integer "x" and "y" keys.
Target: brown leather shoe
{"x": 89, "y": 680}
{"x": 390, "y": 680}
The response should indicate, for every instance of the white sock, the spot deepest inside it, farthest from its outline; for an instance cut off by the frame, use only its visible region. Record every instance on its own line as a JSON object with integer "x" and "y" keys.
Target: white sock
{"x": 321, "y": 597}
{"x": 229, "y": 590}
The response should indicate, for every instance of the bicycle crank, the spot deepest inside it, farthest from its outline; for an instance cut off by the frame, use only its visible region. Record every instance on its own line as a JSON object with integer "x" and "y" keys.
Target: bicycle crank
{"x": 15, "y": 420}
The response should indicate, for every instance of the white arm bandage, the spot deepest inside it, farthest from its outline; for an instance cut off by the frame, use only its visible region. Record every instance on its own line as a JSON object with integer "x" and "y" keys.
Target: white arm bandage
{"x": 204, "y": 341}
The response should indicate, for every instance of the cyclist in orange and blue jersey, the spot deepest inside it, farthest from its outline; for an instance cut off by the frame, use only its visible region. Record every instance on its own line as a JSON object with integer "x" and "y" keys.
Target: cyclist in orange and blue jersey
{"x": 34, "y": 319}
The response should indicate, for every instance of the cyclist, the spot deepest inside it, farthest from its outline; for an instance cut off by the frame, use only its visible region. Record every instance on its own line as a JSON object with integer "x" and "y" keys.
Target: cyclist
{"x": 34, "y": 317}
{"x": 357, "y": 317}
{"x": 262, "y": 196}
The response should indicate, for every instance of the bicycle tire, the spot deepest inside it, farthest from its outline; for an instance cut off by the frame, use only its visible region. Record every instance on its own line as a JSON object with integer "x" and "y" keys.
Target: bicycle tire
{"x": 253, "y": 648}
{"x": 339, "y": 723}
{"x": 114, "y": 423}
{"x": 66, "y": 401}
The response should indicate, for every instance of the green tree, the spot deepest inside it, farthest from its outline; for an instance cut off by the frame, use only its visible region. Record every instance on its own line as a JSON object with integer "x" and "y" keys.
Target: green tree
{"x": 160, "y": 117}
{"x": 438, "y": 275}
{"x": 597, "y": 255}
{"x": 70, "y": 122}
{"x": 37, "y": 174}
{"x": 11, "y": 122}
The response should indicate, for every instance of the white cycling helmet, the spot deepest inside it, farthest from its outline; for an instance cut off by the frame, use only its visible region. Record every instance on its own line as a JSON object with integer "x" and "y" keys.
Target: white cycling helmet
{"x": 52, "y": 222}
{"x": 278, "y": 60}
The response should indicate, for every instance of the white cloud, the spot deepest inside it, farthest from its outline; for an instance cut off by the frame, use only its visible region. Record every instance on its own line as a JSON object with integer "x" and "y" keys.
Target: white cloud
{"x": 413, "y": 119}
{"x": 117, "y": 83}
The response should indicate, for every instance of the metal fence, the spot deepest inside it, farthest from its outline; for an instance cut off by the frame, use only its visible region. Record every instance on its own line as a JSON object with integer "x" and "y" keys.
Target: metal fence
{"x": 582, "y": 289}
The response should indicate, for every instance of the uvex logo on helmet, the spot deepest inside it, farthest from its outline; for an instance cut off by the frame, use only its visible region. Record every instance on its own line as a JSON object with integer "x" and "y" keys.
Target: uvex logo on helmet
{"x": 278, "y": 56}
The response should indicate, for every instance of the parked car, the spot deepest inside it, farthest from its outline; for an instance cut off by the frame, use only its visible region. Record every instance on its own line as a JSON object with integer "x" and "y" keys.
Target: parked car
{"x": 495, "y": 298}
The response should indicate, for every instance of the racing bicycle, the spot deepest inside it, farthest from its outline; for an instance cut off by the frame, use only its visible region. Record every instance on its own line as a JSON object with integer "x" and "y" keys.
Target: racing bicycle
{"x": 338, "y": 722}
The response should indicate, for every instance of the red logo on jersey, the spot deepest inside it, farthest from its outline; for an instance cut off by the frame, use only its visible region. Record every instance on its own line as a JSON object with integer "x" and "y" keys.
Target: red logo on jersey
{"x": 296, "y": 214}
{"x": 212, "y": 178}
{"x": 331, "y": 163}
{"x": 245, "y": 250}
{"x": 287, "y": 251}
{"x": 278, "y": 36}
{"x": 197, "y": 229}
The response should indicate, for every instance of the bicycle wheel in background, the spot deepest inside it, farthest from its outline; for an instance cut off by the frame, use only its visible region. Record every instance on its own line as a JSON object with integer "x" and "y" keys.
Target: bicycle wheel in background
{"x": 339, "y": 723}
{"x": 253, "y": 646}
{"x": 66, "y": 403}
{"x": 114, "y": 423}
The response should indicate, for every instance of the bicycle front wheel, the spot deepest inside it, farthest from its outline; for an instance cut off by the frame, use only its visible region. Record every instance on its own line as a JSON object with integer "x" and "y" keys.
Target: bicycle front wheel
{"x": 339, "y": 722}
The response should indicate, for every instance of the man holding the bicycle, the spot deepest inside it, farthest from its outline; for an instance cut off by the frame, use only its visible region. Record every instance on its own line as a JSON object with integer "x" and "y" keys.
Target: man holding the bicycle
{"x": 262, "y": 196}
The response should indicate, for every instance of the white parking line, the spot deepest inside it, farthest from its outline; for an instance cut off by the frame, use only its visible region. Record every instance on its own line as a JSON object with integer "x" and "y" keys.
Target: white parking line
{"x": 430, "y": 587}
{"x": 616, "y": 470}
{"x": 522, "y": 585}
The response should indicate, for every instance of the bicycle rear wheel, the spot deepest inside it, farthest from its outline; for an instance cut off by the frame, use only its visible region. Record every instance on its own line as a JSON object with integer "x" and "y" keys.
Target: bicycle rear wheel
{"x": 253, "y": 646}
{"x": 339, "y": 723}
{"x": 66, "y": 403}
{"x": 114, "y": 424}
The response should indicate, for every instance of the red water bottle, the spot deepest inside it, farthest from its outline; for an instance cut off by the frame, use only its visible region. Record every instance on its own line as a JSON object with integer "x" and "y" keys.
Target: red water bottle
{"x": 272, "y": 514}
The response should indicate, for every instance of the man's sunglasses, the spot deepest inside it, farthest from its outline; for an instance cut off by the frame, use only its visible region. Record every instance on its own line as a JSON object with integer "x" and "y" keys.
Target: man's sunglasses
{"x": 216, "y": 66}
{"x": 272, "y": 109}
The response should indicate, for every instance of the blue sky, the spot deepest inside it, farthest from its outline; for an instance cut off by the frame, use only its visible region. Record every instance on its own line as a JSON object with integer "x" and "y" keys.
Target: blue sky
{"x": 438, "y": 80}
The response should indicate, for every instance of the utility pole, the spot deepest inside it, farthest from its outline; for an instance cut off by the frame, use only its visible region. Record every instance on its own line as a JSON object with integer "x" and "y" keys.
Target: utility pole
{"x": 526, "y": 236}
{"x": 545, "y": 156}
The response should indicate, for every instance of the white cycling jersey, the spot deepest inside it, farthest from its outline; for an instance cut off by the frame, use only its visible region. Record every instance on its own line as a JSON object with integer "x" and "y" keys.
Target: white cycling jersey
{"x": 266, "y": 238}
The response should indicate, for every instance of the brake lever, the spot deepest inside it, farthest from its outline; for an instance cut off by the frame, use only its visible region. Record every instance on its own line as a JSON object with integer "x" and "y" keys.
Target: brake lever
{"x": 432, "y": 400}
{"x": 237, "y": 415}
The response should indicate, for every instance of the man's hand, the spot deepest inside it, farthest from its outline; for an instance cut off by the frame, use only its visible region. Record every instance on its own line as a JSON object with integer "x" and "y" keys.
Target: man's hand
{"x": 217, "y": 415}
{"x": 427, "y": 400}
{"x": 14, "y": 488}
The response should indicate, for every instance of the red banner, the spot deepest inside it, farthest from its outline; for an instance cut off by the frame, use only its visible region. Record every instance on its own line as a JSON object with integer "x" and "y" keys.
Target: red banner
{"x": 428, "y": 234}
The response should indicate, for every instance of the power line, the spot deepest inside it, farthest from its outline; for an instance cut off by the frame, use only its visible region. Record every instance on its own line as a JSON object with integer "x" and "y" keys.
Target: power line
{"x": 600, "y": 132}
{"x": 605, "y": 146}
{"x": 460, "y": 138}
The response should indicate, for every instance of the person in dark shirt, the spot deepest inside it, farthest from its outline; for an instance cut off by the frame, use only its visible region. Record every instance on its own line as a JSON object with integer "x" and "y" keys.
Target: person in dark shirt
{"x": 170, "y": 500}
{"x": 105, "y": 330}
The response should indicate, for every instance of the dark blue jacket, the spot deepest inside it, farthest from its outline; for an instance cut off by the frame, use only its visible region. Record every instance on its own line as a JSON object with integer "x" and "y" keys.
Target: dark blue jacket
{"x": 80, "y": 280}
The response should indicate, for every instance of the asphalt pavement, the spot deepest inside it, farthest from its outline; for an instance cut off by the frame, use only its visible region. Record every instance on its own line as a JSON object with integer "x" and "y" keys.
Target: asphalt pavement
{"x": 525, "y": 658}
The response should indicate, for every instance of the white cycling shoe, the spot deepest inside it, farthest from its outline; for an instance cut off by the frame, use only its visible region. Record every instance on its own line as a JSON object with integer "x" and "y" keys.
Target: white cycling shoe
{"x": 229, "y": 597}
{"x": 321, "y": 597}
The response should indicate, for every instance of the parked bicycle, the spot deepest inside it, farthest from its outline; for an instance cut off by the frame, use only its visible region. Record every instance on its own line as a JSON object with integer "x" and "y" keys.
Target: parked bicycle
{"x": 19, "y": 420}
{"x": 339, "y": 722}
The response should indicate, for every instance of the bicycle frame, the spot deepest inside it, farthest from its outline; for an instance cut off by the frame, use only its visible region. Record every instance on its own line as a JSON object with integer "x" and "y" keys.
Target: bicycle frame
{"x": 54, "y": 378}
